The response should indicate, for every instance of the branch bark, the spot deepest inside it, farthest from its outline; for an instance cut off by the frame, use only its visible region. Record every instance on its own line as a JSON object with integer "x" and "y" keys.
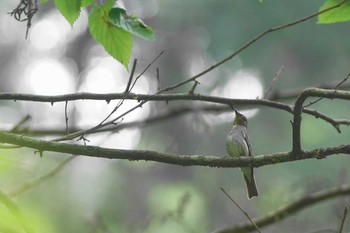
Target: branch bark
{"x": 311, "y": 92}
{"x": 164, "y": 97}
{"x": 182, "y": 160}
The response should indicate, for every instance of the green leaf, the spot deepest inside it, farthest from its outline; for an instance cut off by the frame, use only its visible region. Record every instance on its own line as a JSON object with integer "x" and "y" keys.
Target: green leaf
{"x": 118, "y": 17}
{"x": 70, "y": 9}
{"x": 339, "y": 14}
{"x": 85, "y": 3}
{"x": 116, "y": 41}
{"x": 43, "y": 1}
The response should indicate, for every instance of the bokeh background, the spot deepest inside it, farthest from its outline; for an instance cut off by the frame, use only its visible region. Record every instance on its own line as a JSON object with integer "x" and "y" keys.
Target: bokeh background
{"x": 100, "y": 195}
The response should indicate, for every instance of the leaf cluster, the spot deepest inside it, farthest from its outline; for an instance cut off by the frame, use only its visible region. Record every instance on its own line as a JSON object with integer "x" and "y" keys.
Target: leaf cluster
{"x": 109, "y": 25}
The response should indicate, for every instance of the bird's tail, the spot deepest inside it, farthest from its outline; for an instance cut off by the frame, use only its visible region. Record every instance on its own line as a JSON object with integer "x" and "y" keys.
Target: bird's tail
{"x": 250, "y": 184}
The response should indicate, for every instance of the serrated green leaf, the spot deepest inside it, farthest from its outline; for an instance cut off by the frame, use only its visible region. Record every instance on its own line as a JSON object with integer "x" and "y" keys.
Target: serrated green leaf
{"x": 116, "y": 41}
{"x": 70, "y": 9}
{"x": 118, "y": 17}
{"x": 339, "y": 14}
{"x": 85, "y": 3}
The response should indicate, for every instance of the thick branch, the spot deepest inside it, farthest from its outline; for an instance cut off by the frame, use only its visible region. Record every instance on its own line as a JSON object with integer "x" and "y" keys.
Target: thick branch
{"x": 147, "y": 155}
{"x": 311, "y": 92}
{"x": 289, "y": 210}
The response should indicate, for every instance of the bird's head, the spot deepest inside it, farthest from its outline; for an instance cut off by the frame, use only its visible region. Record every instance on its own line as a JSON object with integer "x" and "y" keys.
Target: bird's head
{"x": 240, "y": 119}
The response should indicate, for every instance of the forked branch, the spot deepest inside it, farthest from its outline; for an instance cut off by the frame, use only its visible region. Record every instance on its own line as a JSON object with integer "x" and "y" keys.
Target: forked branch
{"x": 311, "y": 92}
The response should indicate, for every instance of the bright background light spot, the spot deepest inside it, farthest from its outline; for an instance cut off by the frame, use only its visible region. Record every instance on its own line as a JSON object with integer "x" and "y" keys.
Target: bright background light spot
{"x": 53, "y": 31}
{"x": 46, "y": 35}
{"x": 47, "y": 77}
{"x": 104, "y": 75}
{"x": 244, "y": 84}
{"x": 199, "y": 63}
{"x": 142, "y": 9}
{"x": 124, "y": 139}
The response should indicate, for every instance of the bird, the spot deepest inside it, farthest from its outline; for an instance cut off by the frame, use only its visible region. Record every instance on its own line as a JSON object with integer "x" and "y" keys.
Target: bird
{"x": 238, "y": 144}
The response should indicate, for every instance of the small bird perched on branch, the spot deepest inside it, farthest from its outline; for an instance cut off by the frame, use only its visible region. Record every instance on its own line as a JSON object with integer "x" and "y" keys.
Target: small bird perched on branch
{"x": 238, "y": 144}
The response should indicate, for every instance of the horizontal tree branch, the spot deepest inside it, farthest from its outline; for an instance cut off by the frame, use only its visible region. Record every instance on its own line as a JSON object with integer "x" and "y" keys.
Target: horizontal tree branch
{"x": 183, "y": 160}
{"x": 297, "y": 206}
{"x": 132, "y": 96}
{"x": 167, "y": 98}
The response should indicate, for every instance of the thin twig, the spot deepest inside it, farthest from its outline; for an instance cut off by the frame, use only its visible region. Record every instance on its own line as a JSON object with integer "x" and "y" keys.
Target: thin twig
{"x": 275, "y": 78}
{"x": 104, "y": 123}
{"x": 193, "y": 88}
{"x": 158, "y": 80}
{"x": 147, "y": 67}
{"x": 290, "y": 94}
{"x": 21, "y": 122}
{"x": 66, "y": 116}
{"x": 170, "y": 113}
{"x": 249, "y": 43}
{"x": 345, "y": 213}
{"x": 335, "y": 88}
{"x": 131, "y": 76}
{"x": 121, "y": 116}
{"x": 244, "y": 212}
{"x": 121, "y": 101}
{"x": 290, "y": 209}
{"x": 164, "y": 115}
{"x": 24, "y": 187}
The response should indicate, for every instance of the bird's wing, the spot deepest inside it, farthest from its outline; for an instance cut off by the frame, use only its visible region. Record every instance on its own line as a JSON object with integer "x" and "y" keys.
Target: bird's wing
{"x": 249, "y": 173}
{"x": 247, "y": 141}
